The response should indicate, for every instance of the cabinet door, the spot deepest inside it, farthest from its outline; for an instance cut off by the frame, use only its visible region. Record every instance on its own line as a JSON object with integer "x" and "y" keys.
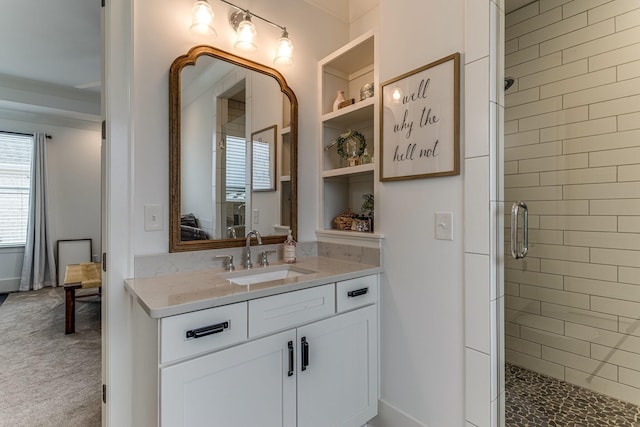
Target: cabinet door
{"x": 252, "y": 384}
{"x": 337, "y": 370}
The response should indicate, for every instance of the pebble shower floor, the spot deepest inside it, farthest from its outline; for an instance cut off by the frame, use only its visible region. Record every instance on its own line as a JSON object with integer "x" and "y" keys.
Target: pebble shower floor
{"x": 534, "y": 400}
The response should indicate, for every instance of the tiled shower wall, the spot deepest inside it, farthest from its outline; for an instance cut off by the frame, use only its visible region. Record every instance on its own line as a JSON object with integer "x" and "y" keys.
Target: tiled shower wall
{"x": 572, "y": 152}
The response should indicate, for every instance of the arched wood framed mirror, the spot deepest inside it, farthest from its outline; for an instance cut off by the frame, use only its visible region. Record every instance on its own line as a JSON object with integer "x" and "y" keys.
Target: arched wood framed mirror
{"x": 233, "y": 123}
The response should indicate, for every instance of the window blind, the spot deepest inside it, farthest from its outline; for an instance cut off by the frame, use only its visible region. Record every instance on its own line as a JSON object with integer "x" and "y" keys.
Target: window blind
{"x": 261, "y": 168}
{"x": 15, "y": 182}
{"x": 236, "y": 149}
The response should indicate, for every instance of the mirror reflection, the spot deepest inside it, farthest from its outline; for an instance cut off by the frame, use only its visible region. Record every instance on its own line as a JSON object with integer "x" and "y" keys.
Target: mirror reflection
{"x": 233, "y": 142}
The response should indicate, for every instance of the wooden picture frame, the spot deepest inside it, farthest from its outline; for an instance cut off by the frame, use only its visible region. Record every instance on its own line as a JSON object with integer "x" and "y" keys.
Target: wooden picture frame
{"x": 263, "y": 159}
{"x": 420, "y": 122}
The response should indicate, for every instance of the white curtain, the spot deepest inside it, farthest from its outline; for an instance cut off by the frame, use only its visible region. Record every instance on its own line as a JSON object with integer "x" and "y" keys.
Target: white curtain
{"x": 38, "y": 268}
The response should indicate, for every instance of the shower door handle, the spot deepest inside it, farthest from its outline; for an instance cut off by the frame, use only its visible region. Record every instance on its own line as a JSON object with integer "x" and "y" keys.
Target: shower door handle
{"x": 516, "y": 251}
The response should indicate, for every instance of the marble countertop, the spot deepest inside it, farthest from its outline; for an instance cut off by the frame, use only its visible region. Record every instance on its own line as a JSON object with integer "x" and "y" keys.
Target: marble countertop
{"x": 179, "y": 293}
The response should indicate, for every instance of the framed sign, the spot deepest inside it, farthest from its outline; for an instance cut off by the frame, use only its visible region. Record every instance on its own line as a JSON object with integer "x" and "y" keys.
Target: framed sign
{"x": 420, "y": 122}
{"x": 263, "y": 159}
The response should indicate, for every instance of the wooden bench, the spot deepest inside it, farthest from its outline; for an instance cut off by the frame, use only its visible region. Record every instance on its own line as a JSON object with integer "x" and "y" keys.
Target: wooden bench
{"x": 79, "y": 276}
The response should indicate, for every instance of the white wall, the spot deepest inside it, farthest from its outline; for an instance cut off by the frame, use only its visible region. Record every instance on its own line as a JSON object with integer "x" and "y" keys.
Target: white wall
{"x": 161, "y": 34}
{"x": 73, "y": 160}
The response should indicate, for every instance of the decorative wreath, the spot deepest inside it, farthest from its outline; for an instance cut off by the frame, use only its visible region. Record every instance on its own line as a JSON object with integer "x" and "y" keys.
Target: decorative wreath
{"x": 350, "y": 136}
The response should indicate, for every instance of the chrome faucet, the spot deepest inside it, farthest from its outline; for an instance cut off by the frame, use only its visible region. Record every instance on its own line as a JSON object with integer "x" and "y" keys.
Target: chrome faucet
{"x": 248, "y": 262}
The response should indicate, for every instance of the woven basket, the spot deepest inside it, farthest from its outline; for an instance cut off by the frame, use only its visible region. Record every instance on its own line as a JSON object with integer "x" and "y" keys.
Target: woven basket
{"x": 344, "y": 220}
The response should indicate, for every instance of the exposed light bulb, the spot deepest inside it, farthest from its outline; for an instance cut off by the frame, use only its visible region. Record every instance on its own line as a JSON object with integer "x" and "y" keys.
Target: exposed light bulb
{"x": 246, "y": 35}
{"x": 201, "y": 18}
{"x": 396, "y": 95}
{"x": 284, "y": 50}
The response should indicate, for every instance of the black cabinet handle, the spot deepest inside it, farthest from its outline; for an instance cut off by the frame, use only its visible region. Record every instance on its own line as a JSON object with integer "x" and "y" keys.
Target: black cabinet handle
{"x": 357, "y": 292}
{"x": 290, "y": 373}
{"x": 305, "y": 353}
{"x": 207, "y": 330}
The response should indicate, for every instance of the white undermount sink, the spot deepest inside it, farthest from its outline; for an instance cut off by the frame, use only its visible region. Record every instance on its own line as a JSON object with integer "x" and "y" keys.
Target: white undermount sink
{"x": 267, "y": 274}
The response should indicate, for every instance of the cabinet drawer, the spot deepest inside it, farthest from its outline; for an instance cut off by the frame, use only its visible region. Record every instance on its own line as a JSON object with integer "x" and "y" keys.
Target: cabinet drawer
{"x": 202, "y": 331}
{"x": 283, "y": 311}
{"x": 355, "y": 293}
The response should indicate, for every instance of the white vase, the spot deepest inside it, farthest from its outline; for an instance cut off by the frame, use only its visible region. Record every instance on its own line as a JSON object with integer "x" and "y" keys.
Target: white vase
{"x": 339, "y": 99}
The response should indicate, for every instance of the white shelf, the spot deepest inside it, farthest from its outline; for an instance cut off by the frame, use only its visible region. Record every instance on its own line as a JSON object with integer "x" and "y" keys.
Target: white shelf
{"x": 285, "y": 178}
{"x": 370, "y": 240}
{"x": 358, "y": 112}
{"x": 285, "y": 131}
{"x": 349, "y": 171}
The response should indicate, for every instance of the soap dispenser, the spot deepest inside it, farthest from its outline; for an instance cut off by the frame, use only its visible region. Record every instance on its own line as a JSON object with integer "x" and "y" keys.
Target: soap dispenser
{"x": 289, "y": 249}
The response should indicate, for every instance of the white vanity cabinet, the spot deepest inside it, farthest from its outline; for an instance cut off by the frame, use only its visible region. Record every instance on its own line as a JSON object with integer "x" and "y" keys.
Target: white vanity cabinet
{"x": 304, "y": 358}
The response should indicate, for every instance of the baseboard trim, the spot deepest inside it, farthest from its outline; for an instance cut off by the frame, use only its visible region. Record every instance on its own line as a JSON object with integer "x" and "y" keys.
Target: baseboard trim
{"x": 390, "y": 416}
{"x": 9, "y": 285}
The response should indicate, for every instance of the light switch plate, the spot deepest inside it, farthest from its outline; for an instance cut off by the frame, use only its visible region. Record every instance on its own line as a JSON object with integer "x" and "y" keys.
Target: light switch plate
{"x": 444, "y": 225}
{"x": 256, "y": 216}
{"x": 152, "y": 217}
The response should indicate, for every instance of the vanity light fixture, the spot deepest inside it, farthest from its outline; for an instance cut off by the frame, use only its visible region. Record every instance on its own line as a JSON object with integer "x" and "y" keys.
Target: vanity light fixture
{"x": 202, "y": 17}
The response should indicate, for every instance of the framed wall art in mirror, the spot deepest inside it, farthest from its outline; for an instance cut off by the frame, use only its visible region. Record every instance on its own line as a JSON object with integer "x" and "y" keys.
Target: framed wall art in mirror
{"x": 224, "y": 151}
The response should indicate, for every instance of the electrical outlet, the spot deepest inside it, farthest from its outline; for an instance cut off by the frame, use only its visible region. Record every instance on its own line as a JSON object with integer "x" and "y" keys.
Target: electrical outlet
{"x": 152, "y": 217}
{"x": 444, "y": 225}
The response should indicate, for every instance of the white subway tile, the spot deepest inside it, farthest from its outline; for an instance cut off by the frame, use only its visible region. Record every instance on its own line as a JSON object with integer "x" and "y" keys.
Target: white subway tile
{"x": 579, "y": 269}
{"x": 579, "y": 176}
{"x": 620, "y": 190}
{"x": 581, "y": 363}
{"x": 575, "y": 7}
{"x": 628, "y": 70}
{"x": 602, "y": 142}
{"x": 629, "y": 275}
{"x": 523, "y": 180}
{"x": 558, "y": 252}
{"x": 528, "y": 263}
{"x": 553, "y": 281}
{"x": 510, "y": 168}
{"x": 555, "y": 118}
{"x": 615, "y": 306}
{"x": 555, "y": 74}
{"x": 579, "y": 36}
{"x": 611, "y": 9}
{"x": 614, "y": 107}
{"x": 629, "y": 326}
{"x": 560, "y": 207}
{"x": 476, "y": 206}
{"x": 522, "y": 138}
{"x": 522, "y": 14}
{"x": 577, "y": 315}
{"x": 570, "y": 299}
{"x": 533, "y": 108}
{"x": 602, "y": 385}
{"x": 510, "y": 127}
{"x": 532, "y": 24}
{"x": 523, "y": 346}
{"x": 614, "y": 207}
{"x": 520, "y": 56}
{"x": 580, "y": 129}
{"x": 573, "y": 161}
{"x": 535, "y": 66}
{"x": 511, "y": 329}
{"x": 554, "y": 30}
{"x": 511, "y": 289}
{"x": 560, "y": 342}
{"x": 630, "y": 377}
{"x": 628, "y": 121}
{"x": 578, "y": 223}
{"x": 581, "y": 82}
{"x": 535, "y": 364}
{"x": 533, "y": 151}
{"x": 601, "y": 288}
{"x": 602, "y": 337}
{"x": 477, "y": 109}
{"x": 602, "y": 93}
{"x": 477, "y": 298}
{"x": 602, "y": 240}
{"x": 613, "y": 355}
{"x": 627, "y": 20}
{"x": 601, "y": 45}
{"x": 478, "y": 392}
{"x": 629, "y": 173}
{"x": 614, "y": 57}
{"x": 522, "y": 97}
{"x": 546, "y": 323}
{"x": 623, "y": 156}
{"x": 534, "y": 193}
{"x": 477, "y": 37}
{"x": 551, "y": 4}
{"x": 511, "y": 46}
{"x": 522, "y": 305}
{"x": 615, "y": 257}
{"x": 629, "y": 224}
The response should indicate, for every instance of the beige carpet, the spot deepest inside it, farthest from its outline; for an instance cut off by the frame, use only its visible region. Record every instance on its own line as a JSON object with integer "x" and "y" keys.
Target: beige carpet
{"x": 48, "y": 378}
